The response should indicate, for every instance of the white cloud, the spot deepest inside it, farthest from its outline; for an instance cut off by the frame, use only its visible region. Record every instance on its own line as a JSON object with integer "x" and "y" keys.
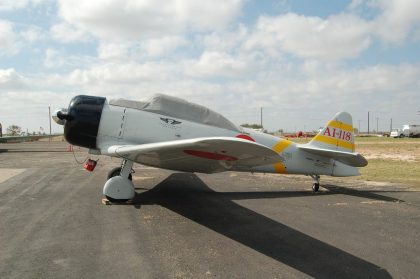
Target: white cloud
{"x": 8, "y": 40}
{"x": 164, "y": 45}
{"x": 66, "y": 33}
{"x": 10, "y": 79}
{"x": 114, "y": 51}
{"x": 32, "y": 34}
{"x": 148, "y": 49}
{"x": 122, "y": 74}
{"x": 9, "y": 5}
{"x": 338, "y": 37}
{"x": 398, "y": 19}
{"x": 226, "y": 41}
{"x": 53, "y": 58}
{"x": 132, "y": 20}
{"x": 395, "y": 20}
{"x": 14, "y": 38}
{"x": 217, "y": 64}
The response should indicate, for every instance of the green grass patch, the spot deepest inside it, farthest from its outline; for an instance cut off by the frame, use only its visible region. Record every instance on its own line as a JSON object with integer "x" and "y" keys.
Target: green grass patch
{"x": 392, "y": 171}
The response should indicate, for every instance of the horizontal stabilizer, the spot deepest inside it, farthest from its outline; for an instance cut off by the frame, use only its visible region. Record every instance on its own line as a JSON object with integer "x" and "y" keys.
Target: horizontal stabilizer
{"x": 349, "y": 158}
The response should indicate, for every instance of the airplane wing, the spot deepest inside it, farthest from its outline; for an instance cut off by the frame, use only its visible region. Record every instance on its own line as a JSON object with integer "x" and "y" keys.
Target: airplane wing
{"x": 349, "y": 158}
{"x": 206, "y": 155}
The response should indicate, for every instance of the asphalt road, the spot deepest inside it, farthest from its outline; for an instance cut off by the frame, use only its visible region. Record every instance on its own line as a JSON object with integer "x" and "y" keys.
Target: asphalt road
{"x": 227, "y": 225}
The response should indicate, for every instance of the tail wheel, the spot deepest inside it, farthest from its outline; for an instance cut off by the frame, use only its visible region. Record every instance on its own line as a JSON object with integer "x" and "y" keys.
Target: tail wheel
{"x": 116, "y": 172}
{"x": 315, "y": 187}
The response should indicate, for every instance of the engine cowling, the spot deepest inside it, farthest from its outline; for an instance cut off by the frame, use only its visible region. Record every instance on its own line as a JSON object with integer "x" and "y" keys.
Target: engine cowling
{"x": 81, "y": 120}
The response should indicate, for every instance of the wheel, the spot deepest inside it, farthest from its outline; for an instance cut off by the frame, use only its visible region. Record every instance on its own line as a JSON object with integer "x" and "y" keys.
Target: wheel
{"x": 315, "y": 187}
{"x": 116, "y": 200}
{"x": 116, "y": 172}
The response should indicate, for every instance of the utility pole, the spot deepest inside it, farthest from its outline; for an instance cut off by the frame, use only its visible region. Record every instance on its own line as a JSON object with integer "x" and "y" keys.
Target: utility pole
{"x": 49, "y": 117}
{"x": 359, "y": 127}
{"x": 377, "y": 129}
{"x": 390, "y": 130}
{"x": 261, "y": 118}
{"x": 368, "y": 122}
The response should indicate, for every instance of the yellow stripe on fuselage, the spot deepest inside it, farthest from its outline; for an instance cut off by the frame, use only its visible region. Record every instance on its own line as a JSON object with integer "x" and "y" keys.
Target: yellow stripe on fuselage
{"x": 334, "y": 141}
{"x": 280, "y": 147}
{"x": 340, "y": 125}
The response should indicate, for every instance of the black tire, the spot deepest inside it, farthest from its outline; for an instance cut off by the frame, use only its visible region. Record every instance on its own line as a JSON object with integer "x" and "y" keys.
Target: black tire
{"x": 315, "y": 187}
{"x": 116, "y": 172}
{"x": 116, "y": 200}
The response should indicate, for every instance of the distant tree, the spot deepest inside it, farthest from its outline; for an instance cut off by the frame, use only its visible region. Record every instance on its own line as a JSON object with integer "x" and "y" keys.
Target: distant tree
{"x": 13, "y": 130}
{"x": 252, "y": 126}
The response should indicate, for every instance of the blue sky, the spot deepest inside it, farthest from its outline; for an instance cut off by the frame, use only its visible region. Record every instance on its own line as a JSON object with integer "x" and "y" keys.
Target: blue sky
{"x": 301, "y": 60}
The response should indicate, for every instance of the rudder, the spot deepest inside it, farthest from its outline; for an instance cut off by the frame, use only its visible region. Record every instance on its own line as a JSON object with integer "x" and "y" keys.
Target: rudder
{"x": 338, "y": 134}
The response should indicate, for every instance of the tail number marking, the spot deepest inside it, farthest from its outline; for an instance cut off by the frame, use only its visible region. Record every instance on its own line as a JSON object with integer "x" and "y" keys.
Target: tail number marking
{"x": 338, "y": 134}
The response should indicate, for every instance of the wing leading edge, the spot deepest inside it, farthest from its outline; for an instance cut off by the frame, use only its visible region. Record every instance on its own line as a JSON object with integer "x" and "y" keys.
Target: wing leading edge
{"x": 206, "y": 155}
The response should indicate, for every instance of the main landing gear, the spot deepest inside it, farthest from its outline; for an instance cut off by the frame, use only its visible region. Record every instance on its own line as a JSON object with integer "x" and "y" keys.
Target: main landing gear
{"x": 315, "y": 186}
{"x": 119, "y": 187}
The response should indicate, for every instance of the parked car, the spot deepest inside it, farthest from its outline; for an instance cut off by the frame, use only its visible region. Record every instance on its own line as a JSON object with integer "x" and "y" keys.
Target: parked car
{"x": 409, "y": 130}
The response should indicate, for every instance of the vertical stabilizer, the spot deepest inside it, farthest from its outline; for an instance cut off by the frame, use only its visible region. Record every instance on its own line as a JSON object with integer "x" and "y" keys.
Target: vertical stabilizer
{"x": 338, "y": 134}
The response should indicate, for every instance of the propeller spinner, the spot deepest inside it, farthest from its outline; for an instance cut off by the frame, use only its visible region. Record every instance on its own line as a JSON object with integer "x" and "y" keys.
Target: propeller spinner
{"x": 60, "y": 116}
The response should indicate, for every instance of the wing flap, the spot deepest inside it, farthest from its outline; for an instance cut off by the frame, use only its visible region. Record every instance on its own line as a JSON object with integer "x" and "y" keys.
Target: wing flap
{"x": 206, "y": 155}
{"x": 349, "y": 158}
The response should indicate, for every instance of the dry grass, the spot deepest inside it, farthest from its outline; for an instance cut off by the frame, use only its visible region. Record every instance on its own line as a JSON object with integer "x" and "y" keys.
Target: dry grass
{"x": 391, "y": 160}
{"x": 392, "y": 171}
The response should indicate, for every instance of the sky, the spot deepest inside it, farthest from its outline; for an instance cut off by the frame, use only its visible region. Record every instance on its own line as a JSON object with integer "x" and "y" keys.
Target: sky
{"x": 301, "y": 61}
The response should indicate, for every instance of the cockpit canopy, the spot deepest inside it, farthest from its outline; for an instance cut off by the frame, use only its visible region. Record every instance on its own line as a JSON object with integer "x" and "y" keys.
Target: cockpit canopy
{"x": 178, "y": 108}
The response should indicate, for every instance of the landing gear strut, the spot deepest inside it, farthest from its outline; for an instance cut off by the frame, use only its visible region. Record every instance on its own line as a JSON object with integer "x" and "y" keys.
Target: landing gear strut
{"x": 117, "y": 171}
{"x": 119, "y": 187}
{"x": 315, "y": 186}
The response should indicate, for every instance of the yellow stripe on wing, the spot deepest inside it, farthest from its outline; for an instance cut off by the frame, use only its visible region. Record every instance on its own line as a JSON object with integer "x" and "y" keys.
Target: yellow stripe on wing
{"x": 281, "y": 145}
{"x": 334, "y": 141}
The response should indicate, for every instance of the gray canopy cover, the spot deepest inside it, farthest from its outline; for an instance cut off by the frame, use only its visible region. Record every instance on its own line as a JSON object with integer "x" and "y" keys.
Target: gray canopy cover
{"x": 178, "y": 108}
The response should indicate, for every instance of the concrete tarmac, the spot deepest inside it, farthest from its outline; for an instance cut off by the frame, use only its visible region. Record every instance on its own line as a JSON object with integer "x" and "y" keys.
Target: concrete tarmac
{"x": 226, "y": 225}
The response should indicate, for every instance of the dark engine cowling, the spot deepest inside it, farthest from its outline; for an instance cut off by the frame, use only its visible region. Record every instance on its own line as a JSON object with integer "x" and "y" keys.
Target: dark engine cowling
{"x": 82, "y": 120}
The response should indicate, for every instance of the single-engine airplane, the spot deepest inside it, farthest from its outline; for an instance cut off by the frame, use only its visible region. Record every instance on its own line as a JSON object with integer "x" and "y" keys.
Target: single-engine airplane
{"x": 171, "y": 133}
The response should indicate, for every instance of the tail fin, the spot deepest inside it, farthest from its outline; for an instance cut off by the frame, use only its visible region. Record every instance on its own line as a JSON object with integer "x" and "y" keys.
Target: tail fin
{"x": 338, "y": 134}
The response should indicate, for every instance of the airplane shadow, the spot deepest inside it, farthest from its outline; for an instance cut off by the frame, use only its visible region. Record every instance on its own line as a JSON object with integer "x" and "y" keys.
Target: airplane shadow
{"x": 334, "y": 189}
{"x": 190, "y": 197}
